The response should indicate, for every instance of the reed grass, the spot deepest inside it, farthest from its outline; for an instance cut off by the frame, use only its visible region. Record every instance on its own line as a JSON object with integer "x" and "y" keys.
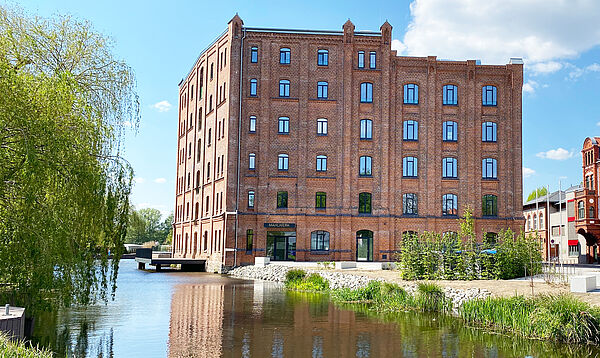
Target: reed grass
{"x": 298, "y": 280}
{"x": 9, "y": 348}
{"x": 561, "y": 318}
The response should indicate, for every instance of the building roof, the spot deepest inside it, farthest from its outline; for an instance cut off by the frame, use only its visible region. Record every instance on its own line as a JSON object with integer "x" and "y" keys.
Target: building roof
{"x": 553, "y": 197}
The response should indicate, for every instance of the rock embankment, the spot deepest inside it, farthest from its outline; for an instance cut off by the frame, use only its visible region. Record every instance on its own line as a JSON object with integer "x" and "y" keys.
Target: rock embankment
{"x": 276, "y": 273}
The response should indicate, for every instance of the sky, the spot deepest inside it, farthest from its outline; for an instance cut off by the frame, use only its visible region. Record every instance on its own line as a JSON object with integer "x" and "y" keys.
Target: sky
{"x": 558, "y": 40}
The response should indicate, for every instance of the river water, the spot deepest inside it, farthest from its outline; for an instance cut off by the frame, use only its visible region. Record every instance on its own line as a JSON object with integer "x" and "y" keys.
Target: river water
{"x": 179, "y": 314}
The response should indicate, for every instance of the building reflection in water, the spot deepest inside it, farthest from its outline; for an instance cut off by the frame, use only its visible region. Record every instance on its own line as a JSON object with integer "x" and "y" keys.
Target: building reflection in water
{"x": 196, "y": 328}
{"x": 233, "y": 318}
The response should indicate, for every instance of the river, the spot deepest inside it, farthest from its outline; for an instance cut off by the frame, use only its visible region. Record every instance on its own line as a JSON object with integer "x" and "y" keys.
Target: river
{"x": 184, "y": 314}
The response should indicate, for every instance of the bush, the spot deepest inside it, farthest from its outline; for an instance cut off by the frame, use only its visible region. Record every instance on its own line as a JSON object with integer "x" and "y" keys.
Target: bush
{"x": 431, "y": 298}
{"x": 294, "y": 276}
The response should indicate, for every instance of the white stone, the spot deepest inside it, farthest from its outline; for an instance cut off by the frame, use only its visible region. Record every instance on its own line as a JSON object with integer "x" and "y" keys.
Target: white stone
{"x": 261, "y": 261}
{"x": 340, "y": 265}
{"x": 583, "y": 283}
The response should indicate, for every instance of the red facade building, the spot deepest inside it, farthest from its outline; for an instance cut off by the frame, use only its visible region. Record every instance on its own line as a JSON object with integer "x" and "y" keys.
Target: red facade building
{"x": 586, "y": 199}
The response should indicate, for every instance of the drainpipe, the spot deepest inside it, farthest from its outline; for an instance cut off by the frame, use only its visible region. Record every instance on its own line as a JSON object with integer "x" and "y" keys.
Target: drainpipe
{"x": 237, "y": 189}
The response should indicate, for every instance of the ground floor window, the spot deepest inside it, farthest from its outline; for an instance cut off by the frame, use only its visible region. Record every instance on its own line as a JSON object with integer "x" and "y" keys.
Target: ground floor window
{"x": 319, "y": 241}
{"x": 574, "y": 250}
{"x": 249, "y": 239}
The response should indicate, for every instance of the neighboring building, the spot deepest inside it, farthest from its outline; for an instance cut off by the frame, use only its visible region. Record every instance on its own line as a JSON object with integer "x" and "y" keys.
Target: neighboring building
{"x": 564, "y": 244}
{"x": 585, "y": 215}
{"x": 325, "y": 145}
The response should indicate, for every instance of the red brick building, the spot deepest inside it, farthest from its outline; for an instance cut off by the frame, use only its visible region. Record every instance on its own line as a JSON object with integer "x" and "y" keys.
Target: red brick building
{"x": 325, "y": 145}
{"x": 586, "y": 219}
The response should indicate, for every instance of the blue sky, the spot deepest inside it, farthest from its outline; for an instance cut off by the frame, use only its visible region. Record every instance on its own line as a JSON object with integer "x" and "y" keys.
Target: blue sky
{"x": 559, "y": 41}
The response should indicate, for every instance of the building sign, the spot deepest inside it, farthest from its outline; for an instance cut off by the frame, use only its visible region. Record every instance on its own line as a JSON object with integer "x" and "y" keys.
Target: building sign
{"x": 279, "y": 225}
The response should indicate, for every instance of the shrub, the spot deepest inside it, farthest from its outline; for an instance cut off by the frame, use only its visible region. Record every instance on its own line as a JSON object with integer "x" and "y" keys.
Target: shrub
{"x": 431, "y": 298}
{"x": 297, "y": 280}
{"x": 294, "y": 275}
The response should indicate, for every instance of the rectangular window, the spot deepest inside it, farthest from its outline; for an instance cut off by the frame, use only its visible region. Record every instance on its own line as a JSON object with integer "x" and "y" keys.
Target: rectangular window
{"x": 284, "y": 125}
{"x": 319, "y": 241}
{"x": 409, "y": 202}
{"x": 321, "y": 163}
{"x": 322, "y": 88}
{"x": 450, "y": 131}
{"x": 253, "y": 88}
{"x": 361, "y": 59}
{"x": 320, "y": 200}
{"x": 364, "y": 203}
{"x": 249, "y": 240}
{"x": 365, "y": 168}
{"x": 284, "y": 88}
{"x": 366, "y": 92}
{"x": 411, "y": 94}
{"x": 252, "y": 124}
{"x": 285, "y": 56}
{"x": 573, "y": 250}
{"x": 488, "y": 95}
{"x": 323, "y": 58}
{"x": 252, "y": 161}
{"x": 322, "y": 126}
{"x": 409, "y": 167}
{"x": 488, "y": 132}
{"x": 450, "y": 95}
{"x": 282, "y": 199}
{"x": 372, "y": 59}
{"x": 254, "y": 54}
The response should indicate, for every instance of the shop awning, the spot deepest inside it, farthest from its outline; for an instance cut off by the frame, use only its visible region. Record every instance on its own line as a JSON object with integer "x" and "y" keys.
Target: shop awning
{"x": 573, "y": 242}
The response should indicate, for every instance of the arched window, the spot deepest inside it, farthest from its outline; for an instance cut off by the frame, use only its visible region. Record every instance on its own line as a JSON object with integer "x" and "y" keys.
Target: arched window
{"x": 409, "y": 167}
{"x": 253, "y": 87}
{"x": 252, "y": 124}
{"x": 449, "y": 204}
{"x": 528, "y": 228}
{"x": 364, "y": 203}
{"x": 282, "y": 199}
{"x": 197, "y": 179}
{"x": 534, "y": 222}
{"x": 581, "y": 209}
{"x": 591, "y": 212}
{"x": 284, "y": 88}
{"x": 489, "y": 168}
{"x": 450, "y": 131}
{"x": 285, "y": 56}
{"x": 366, "y": 129}
{"x": 322, "y": 90}
{"x": 322, "y": 57}
{"x": 410, "y": 130}
{"x": 282, "y": 162}
{"x": 365, "y": 168}
{"x": 411, "y": 93}
{"x": 254, "y": 54}
{"x": 490, "y": 205}
{"x": 541, "y": 220}
{"x": 366, "y": 92}
{"x": 361, "y": 59}
{"x": 283, "y": 126}
{"x": 208, "y": 171}
{"x": 409, "y": 204}
{"x": 196, "y": 211}
{"x": 321, "y": 163}
{"x": 449, "y": 168}
{"x": 251, "y": 161}
{"x": 488, "y": 132}
{"x": 322, "y": 126}
{"x": 319, "y": 241}
{"x": 205, "y": 246}
{"x": 320, "y": 200}
{"x": 198, "y": 150}
{"x": 450, "y": 95}
{"x": 488, "y": 95}
{"x": 251, "y": 199}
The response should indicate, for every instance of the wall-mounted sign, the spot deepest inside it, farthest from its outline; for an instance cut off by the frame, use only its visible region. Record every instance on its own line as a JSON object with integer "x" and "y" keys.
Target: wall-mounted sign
{"x": 279, "y": 225}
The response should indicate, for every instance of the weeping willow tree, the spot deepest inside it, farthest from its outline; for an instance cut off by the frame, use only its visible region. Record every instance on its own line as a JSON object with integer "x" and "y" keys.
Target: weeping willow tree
{"x": 65, "y": 101}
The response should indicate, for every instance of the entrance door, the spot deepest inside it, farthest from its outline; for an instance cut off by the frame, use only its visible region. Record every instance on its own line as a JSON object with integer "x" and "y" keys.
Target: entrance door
{"x": 284, "y": 248}
{"x": 364, "y": 245}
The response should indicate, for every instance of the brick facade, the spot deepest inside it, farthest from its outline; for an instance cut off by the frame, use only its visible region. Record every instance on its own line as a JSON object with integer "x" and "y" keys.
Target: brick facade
{"x": 587, "y": 222}
{"x": 342, "y": 145}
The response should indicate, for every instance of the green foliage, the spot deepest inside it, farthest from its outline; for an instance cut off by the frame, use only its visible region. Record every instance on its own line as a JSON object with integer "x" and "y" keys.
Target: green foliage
{"x": 561, "y": 318}
{"x": 145, "y": 225}
{"x": 431, "y": 298}
{"x": 297, "y": 280}
{"x": 327, "y": 265}
{"x": 432, "y": 256}
{"x": 64, "y": 187}
{"x": 20, "y": 349}
{"x": 295, "y": 275}
{"x": 541, "y": 191}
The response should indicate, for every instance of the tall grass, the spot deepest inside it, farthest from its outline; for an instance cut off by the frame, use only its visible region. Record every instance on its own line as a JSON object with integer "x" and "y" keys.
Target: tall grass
{"x": 298, "y": 280}
{"x": 562, "y": 318}
{"x": 20, "y": 349}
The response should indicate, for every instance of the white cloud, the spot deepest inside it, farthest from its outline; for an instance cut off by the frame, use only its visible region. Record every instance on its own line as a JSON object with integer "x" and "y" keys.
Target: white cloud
{"x": 530, "y": 86}
{"x": 164, "y": 210}
{"x": 546, "y": 67}
{"x": 540, "y": 31}
{"x": 139, "y": 180}
{"x": 555, "y": 154}
{"x": 598, "y": 124}
{"x": 398, "y": 46}
{"x": 160, "y": 180}
{"x": 527, "y": 172}
{"x": 162, "y": 106}
{"x": 594, "y": 67}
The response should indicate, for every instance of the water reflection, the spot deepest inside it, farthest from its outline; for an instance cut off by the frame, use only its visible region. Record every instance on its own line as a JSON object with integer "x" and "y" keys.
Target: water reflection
{"x": 203, "y": 315}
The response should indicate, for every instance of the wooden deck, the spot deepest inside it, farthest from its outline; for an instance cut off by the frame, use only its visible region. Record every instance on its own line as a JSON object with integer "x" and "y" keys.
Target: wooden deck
{"x": 160, "y": 259}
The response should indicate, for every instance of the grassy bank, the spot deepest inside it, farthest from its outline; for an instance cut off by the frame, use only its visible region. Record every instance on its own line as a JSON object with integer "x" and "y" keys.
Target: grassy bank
{"x": 558, "y": 318}
{"x": 561, "y": 318}
{"x": 19, "y": 349}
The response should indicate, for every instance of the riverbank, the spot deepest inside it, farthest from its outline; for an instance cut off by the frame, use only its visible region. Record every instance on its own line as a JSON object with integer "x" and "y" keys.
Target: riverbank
{"x": 354, "y": 280}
